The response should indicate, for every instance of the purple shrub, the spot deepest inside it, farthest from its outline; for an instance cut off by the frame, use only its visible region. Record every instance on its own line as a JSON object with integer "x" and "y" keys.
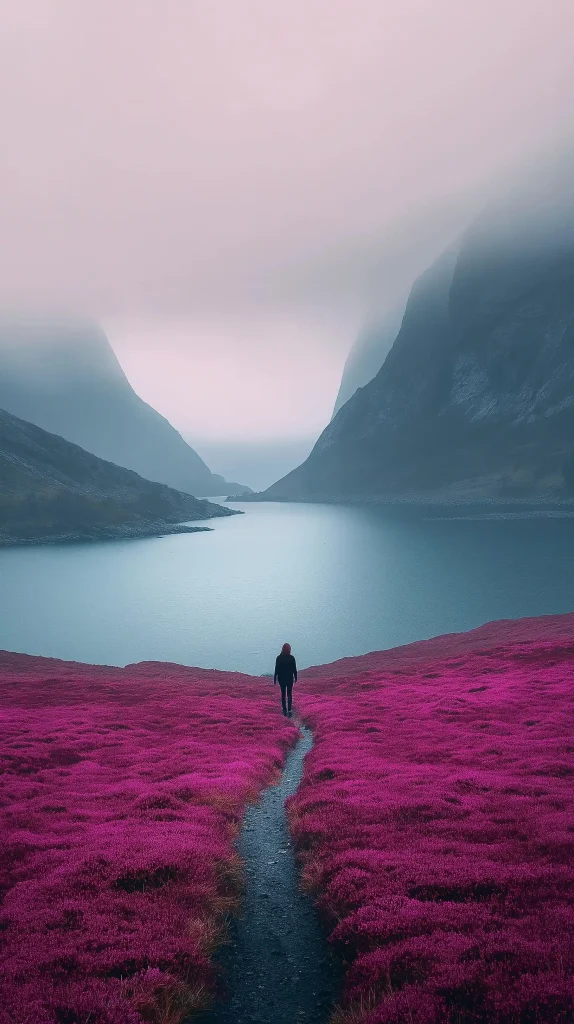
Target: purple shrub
{"x": 121, "y": 793}
{"x": 435, "y": 828}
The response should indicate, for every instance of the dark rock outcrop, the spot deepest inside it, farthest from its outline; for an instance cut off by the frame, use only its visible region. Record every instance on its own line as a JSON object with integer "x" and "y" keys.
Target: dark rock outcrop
{"x": 52, "y": 490}
{"x": 66, "y": 378}
{"x": 476, "y": 397}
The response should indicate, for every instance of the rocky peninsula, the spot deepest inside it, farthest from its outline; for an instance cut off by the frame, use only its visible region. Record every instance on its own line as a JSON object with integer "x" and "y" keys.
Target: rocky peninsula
{"x": 52, "y": 491}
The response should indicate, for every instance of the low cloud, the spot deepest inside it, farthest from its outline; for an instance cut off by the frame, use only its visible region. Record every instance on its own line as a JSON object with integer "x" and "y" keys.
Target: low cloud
{"x": 220, "y": 181}
{"x": 191, "y": 156}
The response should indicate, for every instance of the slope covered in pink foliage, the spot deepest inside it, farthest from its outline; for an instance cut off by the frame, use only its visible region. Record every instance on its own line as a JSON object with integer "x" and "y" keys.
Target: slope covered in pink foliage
{"x": 120, "y": 796}
{"x": 435, "y": 826}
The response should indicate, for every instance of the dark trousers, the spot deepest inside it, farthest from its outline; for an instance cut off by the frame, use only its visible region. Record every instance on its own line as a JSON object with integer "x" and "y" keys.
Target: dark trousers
{"x": 286, "y": 692}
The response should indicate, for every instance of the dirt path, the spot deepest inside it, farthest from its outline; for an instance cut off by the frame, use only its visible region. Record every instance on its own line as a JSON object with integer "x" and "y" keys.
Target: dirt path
{"x": 278, "y": 968}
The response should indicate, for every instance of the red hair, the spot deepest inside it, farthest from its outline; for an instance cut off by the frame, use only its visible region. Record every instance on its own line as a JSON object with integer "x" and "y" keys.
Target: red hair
{"x": 286, "y": 649}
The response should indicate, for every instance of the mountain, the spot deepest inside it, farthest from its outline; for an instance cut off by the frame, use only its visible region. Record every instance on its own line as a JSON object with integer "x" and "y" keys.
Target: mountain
{"x": 52, "y": 490}
{"x": 476, "y": 396}
{"x": 368, "y": 354}
{"x": 66, "y": 378}
{"x": 261, "y": 462}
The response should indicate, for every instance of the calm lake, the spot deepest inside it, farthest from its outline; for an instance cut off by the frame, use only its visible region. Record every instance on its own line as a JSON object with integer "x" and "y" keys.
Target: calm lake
{"x": 332, "y": 580}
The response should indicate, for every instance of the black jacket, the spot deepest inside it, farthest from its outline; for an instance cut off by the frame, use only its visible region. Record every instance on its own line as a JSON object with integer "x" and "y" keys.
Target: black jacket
{"x": 285, "y": 669}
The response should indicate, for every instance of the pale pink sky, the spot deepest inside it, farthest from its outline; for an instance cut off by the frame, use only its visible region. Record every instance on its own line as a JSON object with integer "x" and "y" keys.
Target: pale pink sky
{"x": 230, "y": 185}
{"x": 273, "y": 377}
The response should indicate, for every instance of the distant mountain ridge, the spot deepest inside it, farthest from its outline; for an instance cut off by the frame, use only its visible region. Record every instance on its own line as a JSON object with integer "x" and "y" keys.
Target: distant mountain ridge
{"x": 476, "y": 397}
{"x": 52, "y": 490}
{"x": 65, "y": 377}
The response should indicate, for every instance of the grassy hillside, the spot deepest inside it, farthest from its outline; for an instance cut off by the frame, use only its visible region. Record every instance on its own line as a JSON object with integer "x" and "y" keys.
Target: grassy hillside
{"x": 53, "y": 490}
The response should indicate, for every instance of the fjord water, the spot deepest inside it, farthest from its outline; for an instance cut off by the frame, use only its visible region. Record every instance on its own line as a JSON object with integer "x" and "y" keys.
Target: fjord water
{"x": 333, "y": 580}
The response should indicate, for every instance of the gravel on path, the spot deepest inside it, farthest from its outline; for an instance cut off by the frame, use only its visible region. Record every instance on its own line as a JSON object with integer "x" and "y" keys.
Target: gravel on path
{"x": 278, "y": 967}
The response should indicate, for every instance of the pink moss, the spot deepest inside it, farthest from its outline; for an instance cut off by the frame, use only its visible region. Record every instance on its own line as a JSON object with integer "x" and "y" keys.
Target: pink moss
{"x": 121, "y": 792}
{"x": 435, "y": 826}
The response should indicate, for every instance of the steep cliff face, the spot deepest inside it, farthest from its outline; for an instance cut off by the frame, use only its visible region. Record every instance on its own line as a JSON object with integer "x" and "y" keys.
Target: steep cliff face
{"x": 476, "y": 397}
{"x": 51, "y": 489}
{"x": 368, "y": 354}
{"x": 65, "y": 378}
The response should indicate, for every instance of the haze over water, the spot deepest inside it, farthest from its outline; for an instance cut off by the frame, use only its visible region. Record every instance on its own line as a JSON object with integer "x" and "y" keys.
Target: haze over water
{"x": 333, "y": 580}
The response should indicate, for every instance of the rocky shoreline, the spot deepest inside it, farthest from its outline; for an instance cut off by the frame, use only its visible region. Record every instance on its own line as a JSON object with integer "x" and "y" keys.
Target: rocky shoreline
{"x": 544, "y": 502}
{"x": 83, "y": 535}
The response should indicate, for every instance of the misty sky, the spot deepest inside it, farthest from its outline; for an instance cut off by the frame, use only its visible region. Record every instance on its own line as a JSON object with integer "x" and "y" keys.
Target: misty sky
{"x": 231, "y": 186}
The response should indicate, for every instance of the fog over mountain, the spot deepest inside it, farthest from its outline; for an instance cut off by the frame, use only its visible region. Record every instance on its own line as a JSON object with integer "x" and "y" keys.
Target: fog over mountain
{"x": 476, "y": 397}
{"x": 368, "y": 354}
{"x": 271, "y": 175}
{"x": 64, "y": 377}
{"x": 258, "y": 463}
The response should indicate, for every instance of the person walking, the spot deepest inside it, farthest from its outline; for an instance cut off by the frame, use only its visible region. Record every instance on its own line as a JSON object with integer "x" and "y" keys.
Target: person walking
{"x": 285, "y": 675}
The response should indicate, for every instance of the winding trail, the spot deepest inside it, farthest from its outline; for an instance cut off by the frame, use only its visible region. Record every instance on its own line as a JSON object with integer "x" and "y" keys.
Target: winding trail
{"x": 278, "y": 967}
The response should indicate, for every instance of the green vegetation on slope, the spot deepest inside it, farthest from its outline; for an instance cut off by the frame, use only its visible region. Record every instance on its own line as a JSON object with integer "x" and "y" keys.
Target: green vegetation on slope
{"x": 53, "y": 490}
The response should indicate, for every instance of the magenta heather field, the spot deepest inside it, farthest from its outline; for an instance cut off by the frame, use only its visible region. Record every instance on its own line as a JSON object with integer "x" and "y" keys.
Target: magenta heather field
{"x": 121, "y": 792}
{"x": 435, "y": 826}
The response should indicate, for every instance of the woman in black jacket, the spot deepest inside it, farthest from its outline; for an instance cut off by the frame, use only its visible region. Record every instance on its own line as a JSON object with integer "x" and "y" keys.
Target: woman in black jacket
{"x": 285, "y": 675}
